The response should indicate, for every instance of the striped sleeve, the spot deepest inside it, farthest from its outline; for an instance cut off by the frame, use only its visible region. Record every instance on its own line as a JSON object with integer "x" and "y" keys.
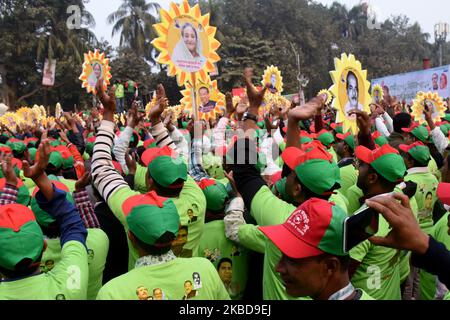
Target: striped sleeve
{"x": 162, "y": 137}
{"x": 104, "y": 176}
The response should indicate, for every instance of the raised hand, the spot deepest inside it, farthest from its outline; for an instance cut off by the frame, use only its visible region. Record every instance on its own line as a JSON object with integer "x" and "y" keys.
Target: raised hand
{"x": 83, "y": 182}
{"x": 158, "y": 109}
{"x": 362, "y": 119}
{"x": 130, "y": 160}
{"x": 406, "y": 233}
{"x": 108, "y": 100}
{"x": 38, "y": 169}
{"x": 255, "y": 97}
{"x": 8, "y": 169}
{"x": 230, "y": 109}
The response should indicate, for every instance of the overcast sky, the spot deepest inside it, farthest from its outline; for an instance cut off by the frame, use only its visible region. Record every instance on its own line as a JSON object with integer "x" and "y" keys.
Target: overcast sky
{"x": 427, "y": 13}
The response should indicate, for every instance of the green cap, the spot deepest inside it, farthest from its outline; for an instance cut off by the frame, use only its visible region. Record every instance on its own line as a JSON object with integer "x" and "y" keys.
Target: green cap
{"x": 215, "y": 193}
{"x": 32, "y": 153}
{"x": 420, "y": 132}
{"x": 17, "y": 147}
{"x": 325, "y": 137}
{"x": 149, "y": 217}
{"x": 68, "y": 162}
{"x": 348, "y": 138}
{"x": 42, "y": 217}
{"x": 20, "y": 236}
{"x": 419, "y": 151}
{"x": 385, "y": 160}
{"x": 56, "y": 159}
{"x": 379, "y": 139}
{"x": 311, "y": 166}
{"x": 447, "y": 117}
{"x": 445, "y": 128}
{"x": 280, "y": 186}
{"x": 165, "y": 167}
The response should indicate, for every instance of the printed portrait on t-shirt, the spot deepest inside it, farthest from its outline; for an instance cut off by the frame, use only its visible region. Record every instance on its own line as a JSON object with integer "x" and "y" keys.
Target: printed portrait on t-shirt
{"x": 197, "y": 280}
{"x": 189, "y": 291}
{"x": 142, "y": 293}
{"x": 179, "y": 243}
{"x": 158, "y": 294}
{"x": 225, "y": 270}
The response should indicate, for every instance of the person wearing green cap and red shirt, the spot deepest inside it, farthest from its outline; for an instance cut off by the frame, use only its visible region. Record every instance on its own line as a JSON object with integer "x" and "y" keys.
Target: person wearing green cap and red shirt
{"x": 377, "y": 269}
{"x": 153, "y": 224}
{"x": 313, "y": 262}
{"x": 166, "y": 174}
{"x": 345, "y": 148}
{"x": 22, "y": 244}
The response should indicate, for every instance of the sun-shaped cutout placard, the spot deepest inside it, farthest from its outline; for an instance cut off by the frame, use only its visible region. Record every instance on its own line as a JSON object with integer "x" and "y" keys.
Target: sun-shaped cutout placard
{"x": 350, "y": 89}
{"x": 210, "y": 101}
{"x": 95, "y": 66}
{"x": 272, "y": 77}
{"x": 187, "y": 43}
{"x": 328, "y": 95}
{"x": 432, "y": 101}
{"x": 377, "y": 93}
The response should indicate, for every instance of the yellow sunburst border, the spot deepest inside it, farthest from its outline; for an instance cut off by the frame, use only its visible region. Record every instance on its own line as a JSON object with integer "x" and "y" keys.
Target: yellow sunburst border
{"x": 160, "y": 43}
{"x": 348, "y": 62}
{"x": 328, "y": 94}
{"x": 379, "y": 89}
{"x": 266, "y": 79}
{"x": 186, "y": 101}
{"x": 88, "y": 58}
{"x": 418, "y": 106}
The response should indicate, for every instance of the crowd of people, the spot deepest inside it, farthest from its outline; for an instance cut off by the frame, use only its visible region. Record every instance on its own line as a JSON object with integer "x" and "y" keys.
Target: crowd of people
{"x": 249, "y": 206}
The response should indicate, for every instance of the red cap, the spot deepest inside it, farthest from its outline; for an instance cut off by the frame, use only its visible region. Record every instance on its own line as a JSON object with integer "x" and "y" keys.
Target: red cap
{"x": 341, "y": 136}
{"x": 151, "y": 199}
{"x": 443, "y": 193}
{"x": 410, "y": 129}
{"x": 368, "y": 156}
{"x": 205, "y": 183}
{"x": 376, "y": 135}
{"x": 293, "y": 157}
{"x": 407, "y": 147}
{"x": 336, "y": 125}
{"x": 300, "y": 236}
{"x": 151, "y": 154}
{"x": 148, "y": 142}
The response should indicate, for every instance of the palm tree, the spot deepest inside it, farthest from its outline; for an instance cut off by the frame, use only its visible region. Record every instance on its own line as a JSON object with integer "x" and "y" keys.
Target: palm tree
{"x": 56, "y": 40}
{"x": 134, "y": 21}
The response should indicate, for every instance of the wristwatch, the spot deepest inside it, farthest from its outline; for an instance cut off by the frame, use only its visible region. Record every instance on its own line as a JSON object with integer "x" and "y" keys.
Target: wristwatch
{"x": 249, "y": 116}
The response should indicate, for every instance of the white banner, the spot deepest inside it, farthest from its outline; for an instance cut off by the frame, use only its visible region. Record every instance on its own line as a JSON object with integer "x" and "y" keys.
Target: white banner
{"x": 49, "y": 73}
{"x": 406, "y": 85}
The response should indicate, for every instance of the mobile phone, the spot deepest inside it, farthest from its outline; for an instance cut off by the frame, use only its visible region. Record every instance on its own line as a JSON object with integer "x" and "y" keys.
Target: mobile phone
{"x": 359, "y": 227}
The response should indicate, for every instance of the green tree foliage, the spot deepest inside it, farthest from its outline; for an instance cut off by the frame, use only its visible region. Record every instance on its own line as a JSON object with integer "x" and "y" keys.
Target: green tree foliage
{"x": 134, "y": 21}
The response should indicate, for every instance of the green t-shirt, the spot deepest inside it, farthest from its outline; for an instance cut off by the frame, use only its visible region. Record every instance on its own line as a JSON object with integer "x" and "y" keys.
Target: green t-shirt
{"x": 428, "y": 282}
{"x": 349, "y": 177}
{"x": 191, "y": 200}
{"x": 334, "y": 154}
{"x": 379, "y": 271}
{"x": 140, "y": 179}
{"x": 67, "y": 281}
{"x": 447, "y": 297}
{"x": 120, "y": 91}
{"x": 425, "y": 197}
{"x": 432, "y": 166}
{"x": 167, "y": 281}
{"x": 97, "y": 243}
{"x": 353, "y": 195}
{"x": 214, "y": 246}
